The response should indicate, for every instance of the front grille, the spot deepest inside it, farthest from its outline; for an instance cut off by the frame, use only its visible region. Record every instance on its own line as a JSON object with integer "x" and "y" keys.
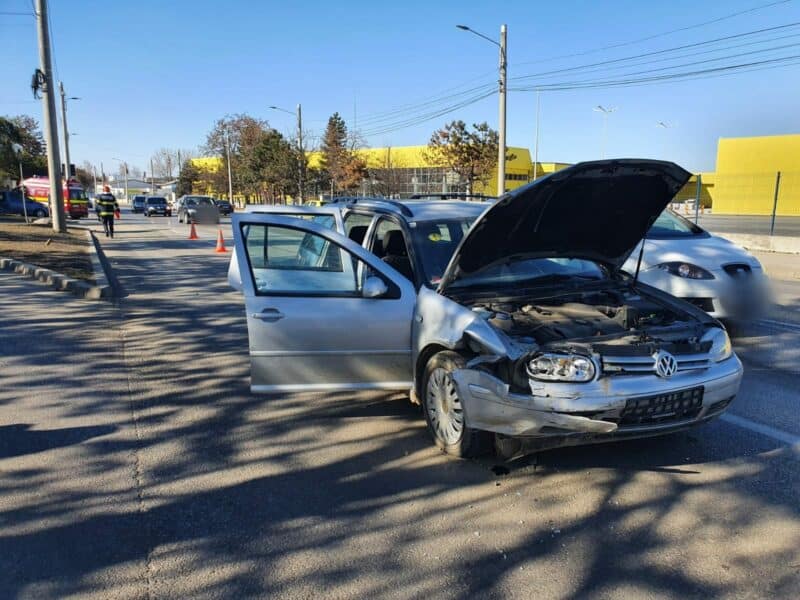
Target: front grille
{"x": 704, "y": 304}
{"x": 638, "y": 365}
{"x": 663, "y": 408}
{"x": 738, "y": 270}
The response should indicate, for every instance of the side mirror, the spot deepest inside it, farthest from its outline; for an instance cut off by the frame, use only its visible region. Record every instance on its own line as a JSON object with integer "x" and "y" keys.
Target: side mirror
{"x": 374, "y": 287}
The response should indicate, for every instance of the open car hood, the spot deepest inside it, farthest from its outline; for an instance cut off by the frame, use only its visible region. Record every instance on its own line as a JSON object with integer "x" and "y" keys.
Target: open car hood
{"x": 595, "y": 210}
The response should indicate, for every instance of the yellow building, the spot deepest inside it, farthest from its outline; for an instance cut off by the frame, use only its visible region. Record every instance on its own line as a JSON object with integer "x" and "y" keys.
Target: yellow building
{"x": 747, "y": 172}
{"x": 407, "y": 170}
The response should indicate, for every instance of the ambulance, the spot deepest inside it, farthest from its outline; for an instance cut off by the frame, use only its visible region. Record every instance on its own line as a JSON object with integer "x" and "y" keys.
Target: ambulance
{"x": 76, "y": 204}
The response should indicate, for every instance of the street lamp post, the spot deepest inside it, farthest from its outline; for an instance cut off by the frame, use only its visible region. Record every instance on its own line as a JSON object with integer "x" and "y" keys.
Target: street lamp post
{"x": 664, "y": 125}
{"x": 230, "y": 178}
{"x": 301, "y": 153}
{"x": 536, "y": 146}
{"x": 606, "y": 112}
{"x": 17, "y": 148}
{"x": 64, "y": 99}
{"x": 501, "y": 153}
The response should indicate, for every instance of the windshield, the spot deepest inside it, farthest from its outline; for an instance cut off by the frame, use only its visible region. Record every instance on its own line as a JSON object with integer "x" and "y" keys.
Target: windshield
{"x": 532, "y": 270}
{"x": 671, "y": 225}
{"x": 199, "y": 201}
{"x": 77, "y": 194}
{"x": 156, "y": 200}
{"x": 434, "y": 243}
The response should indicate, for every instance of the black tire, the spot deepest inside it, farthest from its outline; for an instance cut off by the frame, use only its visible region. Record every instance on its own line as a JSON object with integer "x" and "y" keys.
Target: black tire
{"x": 443, "y": 413}
{"x": 39, "y": 213}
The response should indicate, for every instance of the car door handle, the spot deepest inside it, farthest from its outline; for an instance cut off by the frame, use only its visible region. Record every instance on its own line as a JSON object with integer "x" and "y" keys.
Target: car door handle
{"x": 270, "y": 315}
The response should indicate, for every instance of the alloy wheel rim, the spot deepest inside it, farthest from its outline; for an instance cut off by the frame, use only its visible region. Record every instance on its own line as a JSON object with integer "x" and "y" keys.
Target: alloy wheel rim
{"x": 444, "y": 407}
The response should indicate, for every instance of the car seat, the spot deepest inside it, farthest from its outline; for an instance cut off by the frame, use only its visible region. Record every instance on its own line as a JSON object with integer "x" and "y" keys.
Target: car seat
{"x": 396, "y": 254}
{"x": 357, "y": 233}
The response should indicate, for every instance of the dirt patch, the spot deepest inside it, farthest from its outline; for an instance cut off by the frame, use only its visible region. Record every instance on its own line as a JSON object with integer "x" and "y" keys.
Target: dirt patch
{"x": 66, "y": 253}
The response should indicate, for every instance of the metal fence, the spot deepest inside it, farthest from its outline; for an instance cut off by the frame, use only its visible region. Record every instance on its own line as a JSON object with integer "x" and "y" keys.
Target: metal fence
{"x": 745, "y": 203}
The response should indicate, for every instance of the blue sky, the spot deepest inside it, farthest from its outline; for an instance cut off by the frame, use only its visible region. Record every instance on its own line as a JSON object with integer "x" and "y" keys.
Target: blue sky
{"x": 153, "y": 73}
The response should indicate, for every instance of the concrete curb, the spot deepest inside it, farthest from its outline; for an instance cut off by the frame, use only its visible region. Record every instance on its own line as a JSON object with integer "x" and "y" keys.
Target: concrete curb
{"x": 57, "y": 281}
{"x": 777, "y": 243}
{"x": 98, "y": 266}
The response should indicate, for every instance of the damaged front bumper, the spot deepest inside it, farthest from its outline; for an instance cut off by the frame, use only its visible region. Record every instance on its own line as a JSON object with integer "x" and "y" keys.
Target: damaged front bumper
{"x": 574, "y": 413}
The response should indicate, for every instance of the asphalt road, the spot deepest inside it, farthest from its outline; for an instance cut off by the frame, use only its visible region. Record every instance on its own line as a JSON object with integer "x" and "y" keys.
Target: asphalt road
{"x": 136, "y": 463}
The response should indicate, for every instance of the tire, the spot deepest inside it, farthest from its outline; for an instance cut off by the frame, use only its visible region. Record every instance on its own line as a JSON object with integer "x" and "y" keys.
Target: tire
{"x": 39, "y": 213}
{"x": 443, "y": 412}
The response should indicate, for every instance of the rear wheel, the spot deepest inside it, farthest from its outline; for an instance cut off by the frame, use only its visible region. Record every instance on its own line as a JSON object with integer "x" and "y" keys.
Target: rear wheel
{"x": 39, "y": 214}
{"x": 444, "y": 413}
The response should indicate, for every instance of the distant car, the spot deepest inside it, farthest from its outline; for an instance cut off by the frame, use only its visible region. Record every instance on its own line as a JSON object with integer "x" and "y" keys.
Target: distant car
{"x": 708, "y": 271}
{"x": 157, "y": 205}
{"x": 11, "y": 203}
{"x": 138, "y": 204}
{"x": 225, "y": 207}
{"x": 197, "y": 209}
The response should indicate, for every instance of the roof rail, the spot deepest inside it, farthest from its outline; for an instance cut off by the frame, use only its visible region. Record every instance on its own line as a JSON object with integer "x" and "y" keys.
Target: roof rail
{"x": 450, "y": 196}
{"x": 404, "y": 210}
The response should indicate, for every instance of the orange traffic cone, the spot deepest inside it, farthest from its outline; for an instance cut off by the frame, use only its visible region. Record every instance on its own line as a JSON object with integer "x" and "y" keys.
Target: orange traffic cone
{"x": 220, "y": 243}
{"x": 193, "y": 233}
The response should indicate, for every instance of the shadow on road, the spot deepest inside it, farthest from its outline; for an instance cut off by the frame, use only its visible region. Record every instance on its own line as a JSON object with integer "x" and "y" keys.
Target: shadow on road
{"x": 298, "y": 496}
{"x": 16, "y": 440}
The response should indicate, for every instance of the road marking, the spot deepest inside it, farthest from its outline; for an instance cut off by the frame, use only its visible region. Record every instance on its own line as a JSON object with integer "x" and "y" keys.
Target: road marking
{"x": 778, "y": 435}
{"x": 779, "y": 325}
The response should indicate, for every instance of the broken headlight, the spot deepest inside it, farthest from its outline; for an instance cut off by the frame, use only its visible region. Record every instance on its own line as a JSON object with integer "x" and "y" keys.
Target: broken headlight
{"x": 561, "y": 367}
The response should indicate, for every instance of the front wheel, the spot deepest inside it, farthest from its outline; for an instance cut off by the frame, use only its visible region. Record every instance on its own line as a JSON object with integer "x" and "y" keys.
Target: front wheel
{"x": 39, "y": 214}
{"x": 444, "y": 413}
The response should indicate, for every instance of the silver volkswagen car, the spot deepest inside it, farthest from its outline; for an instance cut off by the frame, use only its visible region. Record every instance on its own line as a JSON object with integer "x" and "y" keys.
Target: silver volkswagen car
{"x": 511, "y": 323}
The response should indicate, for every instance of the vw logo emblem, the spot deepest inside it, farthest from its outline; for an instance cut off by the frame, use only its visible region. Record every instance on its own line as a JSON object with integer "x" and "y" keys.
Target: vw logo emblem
{"x": 666, "y": 365}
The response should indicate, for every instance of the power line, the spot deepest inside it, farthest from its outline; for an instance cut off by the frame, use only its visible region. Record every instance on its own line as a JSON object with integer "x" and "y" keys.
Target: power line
{"x": 699, "y": 62}
{"x": 670, "y": 76}
{"x": 656, "y": 35}
{"x": 658, "y": 52}
{"x": 418, "y": 120}
{"x": 443, "y": 96}
{"x": 602, "y": 69}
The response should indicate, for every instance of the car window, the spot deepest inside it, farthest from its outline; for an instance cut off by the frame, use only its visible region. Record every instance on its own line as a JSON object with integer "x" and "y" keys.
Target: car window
{"x": 77, "y": 194}
{"x": 353, "y": 219}
{"x": 377, "y": 242}
{"x": 671, "y": 225}
{"x": 434, "y": 243}
{"x": 291, "y": 261}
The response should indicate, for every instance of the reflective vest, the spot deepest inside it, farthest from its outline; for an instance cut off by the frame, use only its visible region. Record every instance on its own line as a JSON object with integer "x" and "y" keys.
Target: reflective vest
{"x": 106, "y": 208}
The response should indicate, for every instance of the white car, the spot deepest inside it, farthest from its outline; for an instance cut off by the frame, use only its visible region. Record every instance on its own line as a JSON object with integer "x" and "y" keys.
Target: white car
{"x": 711, "y": 272}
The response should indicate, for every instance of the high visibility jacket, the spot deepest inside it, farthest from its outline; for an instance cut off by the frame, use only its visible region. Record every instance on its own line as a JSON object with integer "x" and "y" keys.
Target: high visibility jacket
{"x": 106, "y": 206}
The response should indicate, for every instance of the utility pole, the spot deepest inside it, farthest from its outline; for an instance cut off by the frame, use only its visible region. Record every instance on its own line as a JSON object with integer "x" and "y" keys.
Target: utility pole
{"x": 302, "y": 174}
{"x": 67, "y": 169}
{"x": 50, "y": 125}
{"x": 536, "y": 145}
{"x": 123, "y": 165}
{"x": 501, "y": 157}
{"x": 501, "y": 151}
{"x": 230, "y": 178}
{"x": 152, "y": 179}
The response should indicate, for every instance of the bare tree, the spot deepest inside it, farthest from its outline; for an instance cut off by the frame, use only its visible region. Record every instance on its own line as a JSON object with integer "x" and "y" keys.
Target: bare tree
{"x": 165, "y": 162}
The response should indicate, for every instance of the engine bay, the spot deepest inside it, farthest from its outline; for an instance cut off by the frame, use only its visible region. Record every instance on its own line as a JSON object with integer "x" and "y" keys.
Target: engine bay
{"x": 578, "y": 316}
